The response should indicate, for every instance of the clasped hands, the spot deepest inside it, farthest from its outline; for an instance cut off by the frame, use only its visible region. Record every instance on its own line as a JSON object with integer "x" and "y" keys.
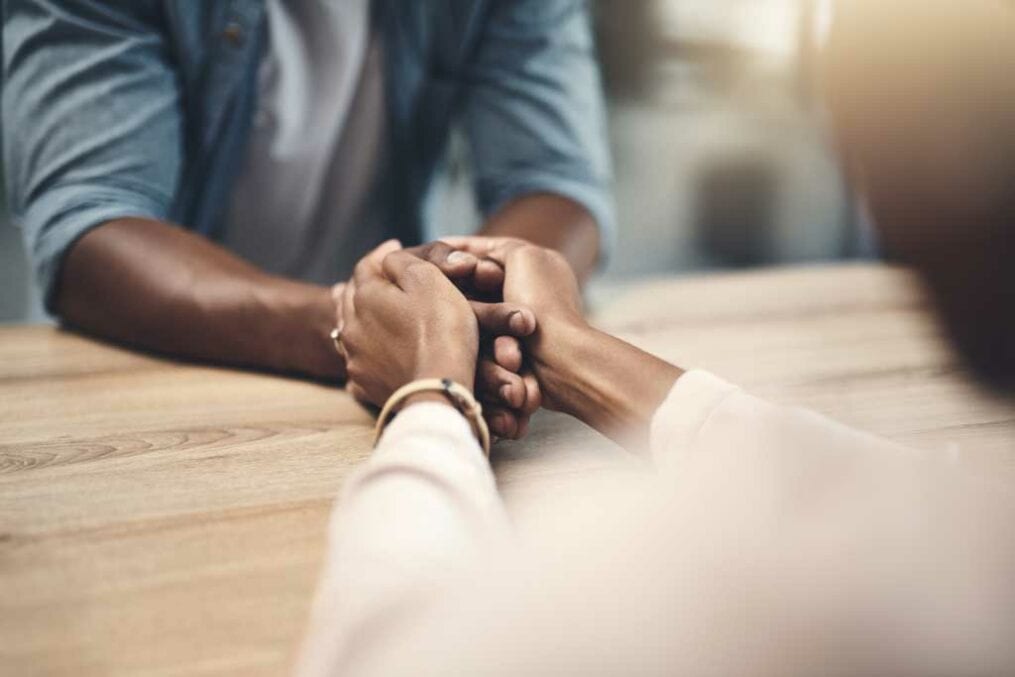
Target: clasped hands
{"x": 479, "y": 311}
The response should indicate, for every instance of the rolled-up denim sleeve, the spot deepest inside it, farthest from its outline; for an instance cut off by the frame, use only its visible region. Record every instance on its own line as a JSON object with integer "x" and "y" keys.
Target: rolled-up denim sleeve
{"x": 534, "y": 111}
{"x": 91, "y": 121}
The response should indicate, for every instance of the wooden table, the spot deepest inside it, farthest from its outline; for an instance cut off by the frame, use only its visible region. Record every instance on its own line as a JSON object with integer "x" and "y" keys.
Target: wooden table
{"x": 164, "y": 519}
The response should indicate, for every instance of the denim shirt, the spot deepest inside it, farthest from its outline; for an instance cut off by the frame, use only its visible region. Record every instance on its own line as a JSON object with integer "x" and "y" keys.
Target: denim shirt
{"x": 142, "y": 108}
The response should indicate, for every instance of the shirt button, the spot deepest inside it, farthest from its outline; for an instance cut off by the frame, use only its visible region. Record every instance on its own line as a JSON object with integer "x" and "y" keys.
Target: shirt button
{"x": 233, "y": 33}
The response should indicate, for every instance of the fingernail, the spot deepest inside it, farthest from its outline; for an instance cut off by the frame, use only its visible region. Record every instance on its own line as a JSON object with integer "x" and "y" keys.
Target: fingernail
{"x": 517, "y": 322}
{"x": 460, "y": 257}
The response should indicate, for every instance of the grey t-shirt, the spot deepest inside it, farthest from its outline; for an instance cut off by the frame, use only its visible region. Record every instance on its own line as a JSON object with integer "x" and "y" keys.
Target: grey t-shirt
{"x": 306, "y": 203}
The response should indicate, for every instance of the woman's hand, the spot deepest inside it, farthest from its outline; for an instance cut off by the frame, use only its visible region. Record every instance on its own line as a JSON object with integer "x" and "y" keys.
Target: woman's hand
{"x": 404, "y": 320}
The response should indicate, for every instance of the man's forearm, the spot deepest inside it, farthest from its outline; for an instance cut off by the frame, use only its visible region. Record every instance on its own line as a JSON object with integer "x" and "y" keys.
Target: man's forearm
{"x": 160, "y": 287}
{"x": 554, "y": 222}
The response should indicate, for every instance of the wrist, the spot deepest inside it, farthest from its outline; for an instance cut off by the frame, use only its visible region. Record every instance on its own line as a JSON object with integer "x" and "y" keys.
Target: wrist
{"x": 563, "y": 360}
{"x": 552, "y": 349}
{"x": 606, "y": 383}
{"x": 451, "y": 394}
{"x": 433, "y": 397}
{"x": 299, "y": 318}
{"x": 459, "y": 370}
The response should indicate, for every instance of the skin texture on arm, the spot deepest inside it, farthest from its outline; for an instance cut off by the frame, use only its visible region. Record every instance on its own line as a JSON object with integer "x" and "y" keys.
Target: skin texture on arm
{"x": 160, "y": 287}
{"x": 608, "y": 384}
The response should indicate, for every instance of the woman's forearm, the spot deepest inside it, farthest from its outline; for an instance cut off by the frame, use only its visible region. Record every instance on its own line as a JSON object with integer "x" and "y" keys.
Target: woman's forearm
{"x": 601, "y": 380}
{"x": 413, "y": 522}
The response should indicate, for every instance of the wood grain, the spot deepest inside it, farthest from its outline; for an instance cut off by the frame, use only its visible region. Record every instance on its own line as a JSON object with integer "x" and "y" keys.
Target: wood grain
{"x": 159, "y": 518}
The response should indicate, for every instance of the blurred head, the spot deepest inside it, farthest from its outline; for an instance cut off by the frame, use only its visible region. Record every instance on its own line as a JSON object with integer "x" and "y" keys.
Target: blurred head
{"x": 923, "y": 98}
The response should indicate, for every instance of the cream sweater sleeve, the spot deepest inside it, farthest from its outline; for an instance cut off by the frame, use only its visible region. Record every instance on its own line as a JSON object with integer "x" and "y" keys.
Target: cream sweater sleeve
{"x": 409, "y": 524}
{"x": 901, "y": 559}
{"x": 706, "y": 416}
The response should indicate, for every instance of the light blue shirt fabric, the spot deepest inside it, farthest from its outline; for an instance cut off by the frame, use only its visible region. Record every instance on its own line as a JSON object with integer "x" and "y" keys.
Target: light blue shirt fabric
{"x": 142, "y": 108}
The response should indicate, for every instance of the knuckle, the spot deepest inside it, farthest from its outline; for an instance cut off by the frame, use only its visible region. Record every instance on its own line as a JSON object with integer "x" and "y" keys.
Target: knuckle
{"x": 419, "y": 271}
{"x": 550, "y": 256}
{"x": 350, "y": 339}
{"x": 556, "y": 256}
{"x": 438, "y": 251}
{"x": 393, "y": 257}
{"x": 488, "y": 370}
{"x": 361, "y": 268}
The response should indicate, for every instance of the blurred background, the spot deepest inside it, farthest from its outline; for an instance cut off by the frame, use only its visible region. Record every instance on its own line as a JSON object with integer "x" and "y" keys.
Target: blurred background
{"x": 722, "y": 158}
